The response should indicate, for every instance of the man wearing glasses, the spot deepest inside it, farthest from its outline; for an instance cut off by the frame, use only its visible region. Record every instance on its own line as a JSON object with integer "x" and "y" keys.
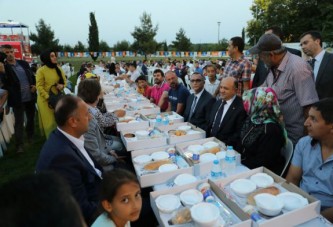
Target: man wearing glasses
{"x": 199, "y": 103}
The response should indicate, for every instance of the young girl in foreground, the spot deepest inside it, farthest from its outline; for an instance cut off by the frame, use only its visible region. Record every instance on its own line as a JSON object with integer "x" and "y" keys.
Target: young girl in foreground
{"x": 121, "y": 199}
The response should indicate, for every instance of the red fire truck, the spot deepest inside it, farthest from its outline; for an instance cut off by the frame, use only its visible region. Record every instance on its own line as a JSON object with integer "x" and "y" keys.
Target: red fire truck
{"x": 17, "y": 35}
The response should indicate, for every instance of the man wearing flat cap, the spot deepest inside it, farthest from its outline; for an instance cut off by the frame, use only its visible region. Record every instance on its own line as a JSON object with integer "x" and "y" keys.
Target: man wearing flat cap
{"x": 291, "y": 78}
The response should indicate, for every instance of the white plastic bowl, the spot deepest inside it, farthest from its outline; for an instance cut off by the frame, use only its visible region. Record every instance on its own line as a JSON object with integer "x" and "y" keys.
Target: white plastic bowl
{"x": 142, "y": 134}
{"x": 268, "y": 204}
{"x": 195, "y": 148}
{"x": 243, "y": 187}
{"x": 184, "y": 127}
{"x": 205, "y": 214}
{"x": 210, "y": 145}
{"x": 167, "y": 203}
{"x": 191, "y": 197}
{"x": 262, "y": 180}
{"x": 167, "y": 167}
{"x": 184, "y": 178}
{"x": 142, "y": 159}
{"x": 292, "y": 201}
{"x": 207, "y": 157}
{"x": 221, "y": 155}
{"x": 159, "y": 155}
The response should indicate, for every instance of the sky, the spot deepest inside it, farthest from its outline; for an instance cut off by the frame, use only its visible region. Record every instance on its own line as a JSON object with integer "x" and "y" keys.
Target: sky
{"x": 69, "y": 19}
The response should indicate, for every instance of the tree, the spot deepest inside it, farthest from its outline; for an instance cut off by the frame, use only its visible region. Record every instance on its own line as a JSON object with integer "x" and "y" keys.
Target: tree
{"x": 103, "y": 46}
{"x": 93, "y": 40}
{"x": 292, "y": 16}
{"x": 243, "y": 34}
{"x": 144, "y": 42}
{"x": 66, "y": 48}
{"x": 182, "y": 43}
{"x": 165, "y": 46}
{"x": 122, "y": 46}
{"x": 79, "y": 47}
{"x": 43, "y": 39}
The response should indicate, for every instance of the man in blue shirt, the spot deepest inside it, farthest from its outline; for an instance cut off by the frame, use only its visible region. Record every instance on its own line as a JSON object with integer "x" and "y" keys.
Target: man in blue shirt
{"x": 20, "y": 83}
{"x": 312, "y": 163}
{"x": 177, "y": 94}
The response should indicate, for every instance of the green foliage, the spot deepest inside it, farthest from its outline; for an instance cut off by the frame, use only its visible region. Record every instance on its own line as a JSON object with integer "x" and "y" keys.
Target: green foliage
{"x": 93, "y": 40}
{"x": 222, "y": 46}
{"x": 243, "y": 34}
{"x": 182, "y": 43}
{"x": 66, "y": 48}
{"x": 293, "y": 16}
{"x": 103, "y": 46}
{"x": 144, "y": 42}
{"x": 79, "y": 47}
{"x": 123, "y": 45}
{"x": 43, "y": 39}
{"x": 165, "y": 46}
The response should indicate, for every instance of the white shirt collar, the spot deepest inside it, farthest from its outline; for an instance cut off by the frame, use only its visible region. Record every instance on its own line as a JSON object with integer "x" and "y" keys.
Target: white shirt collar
{"x": 79, "y": 143}
{"x": 320, "y": 56}
{"x": 199, "y": 94}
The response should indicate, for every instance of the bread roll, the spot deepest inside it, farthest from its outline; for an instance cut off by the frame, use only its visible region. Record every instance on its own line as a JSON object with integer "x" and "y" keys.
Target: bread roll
{"x": 271, "y": 190}
{"x": 155, "y": 165}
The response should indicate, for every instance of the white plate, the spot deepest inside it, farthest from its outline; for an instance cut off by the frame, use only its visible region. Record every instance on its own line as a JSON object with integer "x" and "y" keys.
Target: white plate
{"x": 191, "y": 197}
{"x": 262, "y": 180}
{"x": 207, "y": 157}
{"x": 195, "y": 147}
{"x": 159, "y": 155}
{"x": 167, "y": 167}
{"x": 184, "y": 178}
{"x": 210, "y": 144}
{"x": 167, "y": 203}
{"x": 133, "y": 121}
{"x": 268, "y": 204}
{"x": 243, "y": 187}
{"x": 292, "y": 200}
{"x": 142, "y": 159}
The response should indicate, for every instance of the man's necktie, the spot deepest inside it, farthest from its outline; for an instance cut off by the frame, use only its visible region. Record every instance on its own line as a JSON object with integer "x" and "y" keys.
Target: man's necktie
{"x": 217, "y": 121}
{"x": 312, "y": 62}
{"x": 194, "y": 103}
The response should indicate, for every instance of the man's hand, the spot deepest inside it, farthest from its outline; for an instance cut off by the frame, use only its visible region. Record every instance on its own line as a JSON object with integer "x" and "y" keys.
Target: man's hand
{"x": 2, "y": 68}
{"x": 32, "y": 88}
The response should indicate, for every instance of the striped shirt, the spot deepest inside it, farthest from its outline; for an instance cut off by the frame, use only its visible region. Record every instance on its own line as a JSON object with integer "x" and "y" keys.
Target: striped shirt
{"x": 240, "y": 69}
{"x": 295, "y": 89}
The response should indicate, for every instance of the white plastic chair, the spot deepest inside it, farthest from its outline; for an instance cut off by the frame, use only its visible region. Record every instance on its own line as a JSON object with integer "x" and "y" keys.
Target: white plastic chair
{"x": 287, "y": 152}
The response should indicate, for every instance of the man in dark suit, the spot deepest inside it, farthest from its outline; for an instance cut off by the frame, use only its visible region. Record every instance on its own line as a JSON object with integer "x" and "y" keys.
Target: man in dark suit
{"x": 64, "y": 154}
{"x": 321, "y": 62}
{"x": 262, "y": 70}
{"x": 227, "y": 115}
{"x": 20, "y": 83}
{"x": 199, "y": 103}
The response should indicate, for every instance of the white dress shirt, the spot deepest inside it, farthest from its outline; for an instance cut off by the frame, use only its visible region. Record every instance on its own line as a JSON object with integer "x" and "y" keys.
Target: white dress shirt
{"x": 317, "y": 63}
{"x": 226, "y": 107}
{"x": 211, "y": 87}
{"x": 79, "y": 143}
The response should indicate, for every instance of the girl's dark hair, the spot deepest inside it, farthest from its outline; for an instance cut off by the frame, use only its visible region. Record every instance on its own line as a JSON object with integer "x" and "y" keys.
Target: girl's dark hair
{"x": 113, "y": 180}
{"x": 112, "y": 69}
{"x": 89, "y": 90}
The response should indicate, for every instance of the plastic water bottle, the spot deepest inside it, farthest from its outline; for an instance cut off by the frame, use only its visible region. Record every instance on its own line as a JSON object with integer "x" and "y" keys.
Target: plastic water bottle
{"x": 253, "y": 214}
{"x": 230, "y": 159}
{"x": 207, "y": 193}
{"x": 158, "y": 120}
{"x": 165, "y": 121}
{"x": 216, "y": 171}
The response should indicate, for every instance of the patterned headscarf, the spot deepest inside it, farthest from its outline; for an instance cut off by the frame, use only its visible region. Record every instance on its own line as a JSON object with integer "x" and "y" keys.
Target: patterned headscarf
{"x": 262, "y": 105}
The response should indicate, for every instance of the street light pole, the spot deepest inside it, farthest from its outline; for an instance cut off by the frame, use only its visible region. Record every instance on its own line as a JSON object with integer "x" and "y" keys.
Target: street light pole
{"x": 218, "y": 32}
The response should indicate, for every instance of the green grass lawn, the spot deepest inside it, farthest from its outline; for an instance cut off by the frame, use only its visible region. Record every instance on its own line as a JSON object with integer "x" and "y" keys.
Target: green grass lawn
{"x": 13, "y": 165}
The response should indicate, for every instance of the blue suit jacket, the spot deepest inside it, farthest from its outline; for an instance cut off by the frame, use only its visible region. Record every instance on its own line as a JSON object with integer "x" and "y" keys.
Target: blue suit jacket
{"x": 59, "y": 154}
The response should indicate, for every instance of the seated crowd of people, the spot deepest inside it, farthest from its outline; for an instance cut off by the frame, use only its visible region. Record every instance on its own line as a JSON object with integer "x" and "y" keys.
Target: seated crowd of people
{"x": 292, "y": 102}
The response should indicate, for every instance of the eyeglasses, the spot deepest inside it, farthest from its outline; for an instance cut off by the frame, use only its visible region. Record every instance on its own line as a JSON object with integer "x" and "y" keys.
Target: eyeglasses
{"x": 198, "y": 81}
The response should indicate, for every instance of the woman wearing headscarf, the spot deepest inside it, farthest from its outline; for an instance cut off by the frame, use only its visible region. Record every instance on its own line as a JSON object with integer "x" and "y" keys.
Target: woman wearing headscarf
{"x": 49, "y": 76}
{"x": 263, "y": 134}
